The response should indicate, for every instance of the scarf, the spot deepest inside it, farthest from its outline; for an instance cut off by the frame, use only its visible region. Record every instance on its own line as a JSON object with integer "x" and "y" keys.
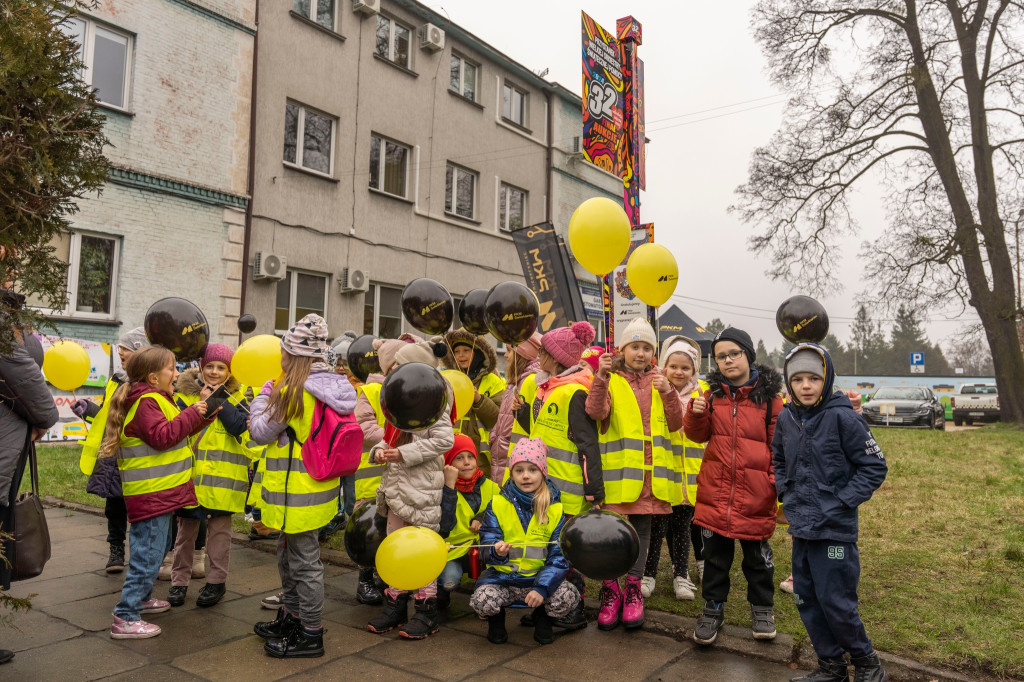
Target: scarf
{"x": 573, "y": 375}
{"x": 466, "y": 485}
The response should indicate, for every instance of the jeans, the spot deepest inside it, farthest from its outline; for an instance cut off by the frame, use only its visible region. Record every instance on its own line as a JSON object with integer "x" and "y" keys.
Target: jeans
{"x": 302, "y": 577}
{"x": 348, "y": 492}
{"x": 451, "y": 575}
{"x": 148, "y": 542}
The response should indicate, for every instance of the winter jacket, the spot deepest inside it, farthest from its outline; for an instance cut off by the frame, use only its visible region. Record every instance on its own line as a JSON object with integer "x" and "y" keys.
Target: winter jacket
{"x": 412, "y": 488}
{"x": 484, "y": 412}
{"x": 151, "y": 427}
{"x": 366, "y": 417}
{"x": 233, "y": 418}
{"x": 736, "y": 485}
{"x": 599, "y": 407}
{"x": 827, "y": 464}
{"x": 502, "y": 431}
{"x": 105, "y": 479}
{"x": 329, "y": 388}
{"x": 556, "y": 566}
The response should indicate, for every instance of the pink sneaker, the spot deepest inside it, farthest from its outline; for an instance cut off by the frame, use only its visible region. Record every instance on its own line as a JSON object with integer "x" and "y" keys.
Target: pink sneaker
{"x": 632, "y": 605}
{"x": 611, "y": 606}
{"x": 155, "y": 606}
{"x": 133, "y": 629}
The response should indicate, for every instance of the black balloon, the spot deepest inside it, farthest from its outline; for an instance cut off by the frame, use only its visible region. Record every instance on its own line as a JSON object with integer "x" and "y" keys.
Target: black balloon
{"x": 511, "y": 312}
{"x": 801, "y": 319}
{"x": 362, "y": 358}
{"x": 428, "y": 306}
{"x": 246, "y": 323}
{"x": 179, "y": 326}
{"x": 471, "y": 312}
{"x": 361, "y": 535}
{"x": 600, "y": 544}
{"x": 414, "y": 396}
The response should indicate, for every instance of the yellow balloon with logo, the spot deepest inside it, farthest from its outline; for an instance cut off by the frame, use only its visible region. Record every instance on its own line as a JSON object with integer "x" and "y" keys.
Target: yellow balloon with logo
{"x": 411, "y": 557}
{"x": 599, "y": 235}
{"x": 652, "y": 273}
{"x": 66, "y": 365}
{"x": 257, "y": 360}
{"x": 463, "y": 389}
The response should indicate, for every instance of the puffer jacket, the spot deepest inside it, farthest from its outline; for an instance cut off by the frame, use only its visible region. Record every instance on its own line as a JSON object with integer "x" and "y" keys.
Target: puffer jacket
{"x": 412, "y": 488}
{"x": 736, "y": 484}
{"x": 827, "y": 464}
{"x": 329, "y": 388}
{"x": 484, "y": 412}
{"x": 233, "y": 417}
{"x": 366, "y": 417}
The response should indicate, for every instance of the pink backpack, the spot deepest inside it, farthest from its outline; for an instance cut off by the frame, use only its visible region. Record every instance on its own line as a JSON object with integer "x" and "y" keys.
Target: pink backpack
{"x": 334, "y": 445}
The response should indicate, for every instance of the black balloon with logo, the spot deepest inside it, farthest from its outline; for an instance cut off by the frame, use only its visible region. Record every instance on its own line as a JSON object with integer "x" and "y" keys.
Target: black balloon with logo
{"x": 246, "y": 323}
{"x": 428, "y": 306}
{"x": 362, "y": 358}
{"x": 802, "y": 319}
{"x": 511, "y": 312}
{"x": 471, "y": 312}
{"x": 414, "y": 396}
{"x": 600, "y": 544}
{"x": 362, "y": 538}
{"x": 179, "y": 326}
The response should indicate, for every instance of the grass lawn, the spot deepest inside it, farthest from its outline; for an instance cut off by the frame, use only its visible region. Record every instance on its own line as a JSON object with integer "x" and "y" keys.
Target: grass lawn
{"x": 941, "y": 545}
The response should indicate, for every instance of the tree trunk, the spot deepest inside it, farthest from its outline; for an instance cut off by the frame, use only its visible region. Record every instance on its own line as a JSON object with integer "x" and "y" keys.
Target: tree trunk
{"x": 1004, "y": 342}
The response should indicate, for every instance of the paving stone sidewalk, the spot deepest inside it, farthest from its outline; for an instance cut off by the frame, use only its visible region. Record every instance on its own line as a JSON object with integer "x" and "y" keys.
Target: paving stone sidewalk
{"x": 65, "y": 635}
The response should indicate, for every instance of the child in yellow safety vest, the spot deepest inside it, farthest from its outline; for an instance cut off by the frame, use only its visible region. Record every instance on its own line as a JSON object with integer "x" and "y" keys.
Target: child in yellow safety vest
{"x": 149, "y": 436}
{"x": 638, "y": 411}
{"x": 464, "y": 499}
{"x": 679, "y": 360}
{"x": 477, "y": 358}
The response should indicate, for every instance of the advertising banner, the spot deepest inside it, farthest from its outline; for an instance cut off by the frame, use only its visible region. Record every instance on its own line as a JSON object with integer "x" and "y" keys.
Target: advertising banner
{"x": 69, "y": 426}
{"x": 544, "y": 267}
{"x": 604, "y": 141}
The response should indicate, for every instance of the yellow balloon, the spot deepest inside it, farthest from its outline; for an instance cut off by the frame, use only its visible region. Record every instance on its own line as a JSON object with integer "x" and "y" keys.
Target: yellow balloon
{"x": 599, "y": 235}
{"x": 463, "y": 389}
{"x": 66, "y": 365}
{"x": 652, "y": 273}
{"x": 411, "y": 557}
{"x": 257, "y": 360}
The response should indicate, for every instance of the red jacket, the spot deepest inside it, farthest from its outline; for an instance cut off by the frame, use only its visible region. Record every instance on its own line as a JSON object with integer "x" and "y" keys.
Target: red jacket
{"x": 152, "y": 427}
{"x": 736, "y": 483}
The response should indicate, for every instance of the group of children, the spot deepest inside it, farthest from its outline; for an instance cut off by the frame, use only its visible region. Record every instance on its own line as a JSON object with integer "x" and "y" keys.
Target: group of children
{"x": 631, "y": 431}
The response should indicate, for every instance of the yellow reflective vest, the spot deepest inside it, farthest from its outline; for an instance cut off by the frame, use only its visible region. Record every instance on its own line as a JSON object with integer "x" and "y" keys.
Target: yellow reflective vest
{"x": 527, "y": 394}
{"x": 368, "y": 474}
{"x": 91, "y": 446}
{"x": 564, "y": 468}
{"x": 293, "y": 502}
{"x": 622, "y": 449}
{"x": 525, "y": 559}
{"x": 145, "y": 469}
{"x": 464, "y": 515}
{"x": 490, "y": 385}
{"x": 688, "y": 455}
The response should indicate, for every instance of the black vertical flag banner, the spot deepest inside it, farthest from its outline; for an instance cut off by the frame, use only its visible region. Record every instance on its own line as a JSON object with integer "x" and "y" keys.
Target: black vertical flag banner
{"x": 549, "y": 274}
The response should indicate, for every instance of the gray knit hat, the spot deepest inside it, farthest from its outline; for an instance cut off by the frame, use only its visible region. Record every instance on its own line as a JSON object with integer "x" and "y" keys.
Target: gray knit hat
{"x": 133, "y": 339}
{"x": 805, "y": 360}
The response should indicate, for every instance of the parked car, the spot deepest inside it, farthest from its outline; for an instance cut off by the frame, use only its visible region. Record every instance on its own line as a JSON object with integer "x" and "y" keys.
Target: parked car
{"x": 976, "y": 403}
{"x": 914, "y": 406}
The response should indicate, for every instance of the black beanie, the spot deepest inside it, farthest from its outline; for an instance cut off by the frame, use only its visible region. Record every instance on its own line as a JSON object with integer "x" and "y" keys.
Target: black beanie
{"x": 740, "y": 338}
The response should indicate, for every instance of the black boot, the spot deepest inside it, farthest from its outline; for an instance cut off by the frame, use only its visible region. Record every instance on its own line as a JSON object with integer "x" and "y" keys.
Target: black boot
{"x": 176, "y": 595}
{"x": 367, "y": 591}
{"x": 496, "y": 632}
{"x": 115, "y": 563}
{"x": 829, "y": 670}
{"x": 575, "y": 620}
{"x": 542, "y": 623}
{"x": 444, "y": 599}
{"x": 868, "y": 669}
{"x": 395, "y": 613}
{"x": 279, "y": 628}
{"x": 210, "y": 594}
{"x": 298, "y": 644}
{"x": 424, "y": 622}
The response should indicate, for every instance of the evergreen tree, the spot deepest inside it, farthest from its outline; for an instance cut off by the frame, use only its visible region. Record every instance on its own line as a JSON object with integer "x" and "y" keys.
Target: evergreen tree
{"x": 762, "y": 353}
{"x": 714, "y": 326}
{"x": 867, "y": 345}
{"x": 842, "y": 359}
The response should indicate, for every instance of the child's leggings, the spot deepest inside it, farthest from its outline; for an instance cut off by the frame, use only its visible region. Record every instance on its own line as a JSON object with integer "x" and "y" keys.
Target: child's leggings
{"x": 302, "y": 576}
{"x": 675, "y": 528}
{"x": 394, "y": 523}
{"x": 148, "y": 541}
{"x": 489, "y": 600}
{"x": 218, "y": 548}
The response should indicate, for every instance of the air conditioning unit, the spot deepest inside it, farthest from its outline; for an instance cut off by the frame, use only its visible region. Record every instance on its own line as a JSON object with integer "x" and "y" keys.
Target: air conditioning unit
{"x": 269, "y": 266}
{"x": 353, "y": 281}
{"x": 366, "y": 6}
{"x": 431, "y": 37}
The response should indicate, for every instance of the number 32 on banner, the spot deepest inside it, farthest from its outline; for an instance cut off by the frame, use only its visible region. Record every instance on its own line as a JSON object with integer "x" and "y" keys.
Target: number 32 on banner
{"x": 602, "y": 99}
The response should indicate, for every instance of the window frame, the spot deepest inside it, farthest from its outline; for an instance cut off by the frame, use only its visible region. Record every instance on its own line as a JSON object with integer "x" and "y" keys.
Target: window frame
{"x": 525, "y": 95}
{"x": 463, "y": 61}
{"x": 300, "y": 130}
{"x": 312, "y": 14}
{"x": 87, "y": 53}
{"x": 293, "y": 293}
{"x": 453, "y": 200}
{"x": 376, "y": 287}
{"x": 503, "y": 225}
{"x": 390, "y": 56}
{"x": 381, "y": 160}
{"x": 74, "y": 265}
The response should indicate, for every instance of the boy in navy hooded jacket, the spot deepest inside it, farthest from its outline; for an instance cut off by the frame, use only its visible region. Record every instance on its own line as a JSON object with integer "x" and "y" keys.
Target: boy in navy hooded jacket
{"x": 827, "y": 464}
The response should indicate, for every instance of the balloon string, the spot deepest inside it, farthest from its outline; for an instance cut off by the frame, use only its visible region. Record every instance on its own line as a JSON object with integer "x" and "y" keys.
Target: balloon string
{"x": 514, "y": 544}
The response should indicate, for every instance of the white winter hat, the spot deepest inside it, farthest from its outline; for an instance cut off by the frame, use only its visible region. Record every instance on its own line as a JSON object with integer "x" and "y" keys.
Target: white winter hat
{"x": 638, "y": 330}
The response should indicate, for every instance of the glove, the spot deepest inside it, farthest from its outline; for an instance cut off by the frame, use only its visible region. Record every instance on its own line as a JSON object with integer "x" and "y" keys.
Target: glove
{"x": 79, "y": 407}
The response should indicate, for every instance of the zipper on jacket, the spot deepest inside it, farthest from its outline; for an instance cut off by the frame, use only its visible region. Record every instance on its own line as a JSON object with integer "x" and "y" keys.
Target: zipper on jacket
{"x": 732, "y": 485}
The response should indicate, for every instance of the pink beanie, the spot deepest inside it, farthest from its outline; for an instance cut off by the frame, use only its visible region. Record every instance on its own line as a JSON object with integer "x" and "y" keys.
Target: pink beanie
{"x": 528, "y": 349}
{"x": 214, "y": 352}
{"x": 592, "y": 355}
{"x": 566, "y": 344}
{"x": 532, "y": 450}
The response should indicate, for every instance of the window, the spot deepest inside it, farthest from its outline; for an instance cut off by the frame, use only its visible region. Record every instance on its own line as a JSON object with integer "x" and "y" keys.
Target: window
{"x": 459, "y": 191}
{"x": 104, "y": 54}
{"x": 92, "y": 275}
{"x": 513, "y": 105}
{"x": 388, "y": 170}
{"x": 298, "y": 295}
{"x": 393, "y": 41}
{"x": 463, "y": 77}
{"x": 316, "y": 131}
{"x": 382, "y": 311}
{"x": 512, "y": 209}
{"x": 320, "y": 11}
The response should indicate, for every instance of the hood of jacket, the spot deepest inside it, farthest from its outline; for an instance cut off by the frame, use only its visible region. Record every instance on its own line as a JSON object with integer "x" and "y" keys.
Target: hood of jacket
{"x": 769, "y": 384}
{"x": 485, "y": 358}
{"x": 828, "y": 398}
{"x": 188, "y": 382}
{"x": 333, "y": 390}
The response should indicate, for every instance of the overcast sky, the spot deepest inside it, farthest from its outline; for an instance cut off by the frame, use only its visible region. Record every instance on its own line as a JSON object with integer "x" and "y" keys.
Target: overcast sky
{"x": 709, "y": 104}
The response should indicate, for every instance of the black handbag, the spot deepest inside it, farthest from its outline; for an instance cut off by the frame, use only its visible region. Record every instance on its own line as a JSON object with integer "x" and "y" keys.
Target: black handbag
{"x": 29, "y": 550}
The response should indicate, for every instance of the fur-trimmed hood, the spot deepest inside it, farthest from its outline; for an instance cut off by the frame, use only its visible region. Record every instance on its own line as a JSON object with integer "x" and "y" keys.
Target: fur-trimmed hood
{"x": 188, "y": 382}
{"x": 769, "y": 384}
{"x": 480, "y": 346}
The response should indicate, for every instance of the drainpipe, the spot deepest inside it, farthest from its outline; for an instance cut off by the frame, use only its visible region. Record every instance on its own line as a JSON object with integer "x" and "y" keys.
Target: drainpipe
{"x": 550, "y": 157}
{"x": 250, "y": 181}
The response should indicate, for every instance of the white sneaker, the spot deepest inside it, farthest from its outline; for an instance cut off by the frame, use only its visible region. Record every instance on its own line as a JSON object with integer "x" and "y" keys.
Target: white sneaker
{"x": 700, "y": 570}
{"x": 787, "y": 585}
{"x": 248, "y": 518}
{"x": 646, "y": 586}
{"x": 684, "y": 588}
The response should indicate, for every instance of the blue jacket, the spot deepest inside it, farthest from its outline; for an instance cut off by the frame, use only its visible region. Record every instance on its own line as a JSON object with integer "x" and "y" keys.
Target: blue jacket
{"x": 555, "y": 568}
{"x": 826, "y": 462}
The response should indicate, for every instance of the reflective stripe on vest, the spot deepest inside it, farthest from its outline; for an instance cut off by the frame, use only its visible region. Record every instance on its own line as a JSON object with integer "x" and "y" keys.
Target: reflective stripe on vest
{"x": 688, "y": 456}
{"x": 524, "y": 559}
{"x": 293, "y": 502}
{"x": 368, "y": 475}
{"x": 145, "y": 469}
{"x": 552, "y": 426}
{"x": 464, "y": 514}
{"x": 91, "y": 446}
{"x": 622, "y": 449}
